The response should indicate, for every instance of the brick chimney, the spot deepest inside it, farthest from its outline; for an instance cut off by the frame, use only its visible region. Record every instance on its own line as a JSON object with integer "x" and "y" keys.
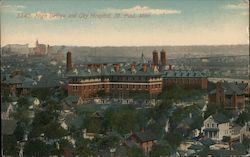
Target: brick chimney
{"x": 170, "y": 67}
{"x": 145, "y": 68}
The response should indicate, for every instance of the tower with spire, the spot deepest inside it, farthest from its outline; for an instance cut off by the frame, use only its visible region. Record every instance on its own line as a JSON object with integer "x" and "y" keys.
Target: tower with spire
{"x": 143, "y": 59}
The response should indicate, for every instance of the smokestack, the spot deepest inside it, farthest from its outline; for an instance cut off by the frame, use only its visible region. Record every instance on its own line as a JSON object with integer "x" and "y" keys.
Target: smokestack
{"x": 163, "y": 58}
{"x": 145, "y": 68}
{"x": 69, "y": 61}
{"x": 155, "y": 57}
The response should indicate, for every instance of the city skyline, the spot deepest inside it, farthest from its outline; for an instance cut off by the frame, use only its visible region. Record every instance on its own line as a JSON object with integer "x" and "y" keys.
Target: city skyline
{"x": 95, "y": 23}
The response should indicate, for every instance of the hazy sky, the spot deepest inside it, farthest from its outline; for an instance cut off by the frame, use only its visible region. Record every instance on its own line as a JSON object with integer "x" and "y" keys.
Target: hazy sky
{"x": 125, "y": 23}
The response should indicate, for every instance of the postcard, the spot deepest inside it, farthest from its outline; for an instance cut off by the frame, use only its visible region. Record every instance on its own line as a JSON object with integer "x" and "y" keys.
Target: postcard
{"x": 123, "y": 78}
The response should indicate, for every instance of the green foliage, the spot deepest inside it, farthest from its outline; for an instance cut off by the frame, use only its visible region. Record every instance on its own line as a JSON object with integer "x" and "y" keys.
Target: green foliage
{"x": 217, "y": 108}
{"x": 53, "y": 130}
{"x": 174, "y": 138}
{"x": 178, "y": 93}
{"x": 134, "y": 151}
{"x": 23, "y": 102}
{"x": 45, "y": 123}
{"x": 93, "y": 124}
{"x": 36, "y": 148}
{"x": 83, "y": 150}
{"x": 123, "y": 119}
{"x": 5, "y": 96}
{"x": 246, "y": 142}
{"x": 226, "y": 139}
{"x": 243, "y": 117}
{"x": 22, "y": 113}
{"x": 41, "y": 93}
{"x": 107, "y": 142}
{"x": 139, "y": 95}
{"x": 63, "y": 93}
{"x": 19, "y": 131}
{"x": 163, "y": 149}
{"x": 10, "y": 145}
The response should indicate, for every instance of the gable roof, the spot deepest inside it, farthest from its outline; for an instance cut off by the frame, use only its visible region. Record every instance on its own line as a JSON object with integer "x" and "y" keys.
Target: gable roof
{"x": 71, "y": 100}
{"x": 231, "y": 88}
{"x": 220, "y": 118}
{"x": 145, "y": 136}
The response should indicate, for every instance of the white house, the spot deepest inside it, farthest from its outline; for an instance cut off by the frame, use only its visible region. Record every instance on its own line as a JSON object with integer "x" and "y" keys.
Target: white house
{"x": 6, "y": 110}
{"x": 216, "y": 126}
{"x": 35, "y": 102}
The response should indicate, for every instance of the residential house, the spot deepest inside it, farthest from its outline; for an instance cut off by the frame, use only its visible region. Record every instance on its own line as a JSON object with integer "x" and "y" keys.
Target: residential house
{"x": 6, "y": 110}
{"x": 146, "y": 139}
{"x": 230, "y": 95}
{"x": 185, "y": 126}
{"x": 72, "y": 100}
{"x": 235, "y": 131}
{"x": 216, "y": 126}
{"x": 35, "y": 102}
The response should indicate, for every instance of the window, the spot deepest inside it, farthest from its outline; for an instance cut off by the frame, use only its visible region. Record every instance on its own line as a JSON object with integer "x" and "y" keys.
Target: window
{"x": 212, "y": 125}
{"x": 208, "y": 125}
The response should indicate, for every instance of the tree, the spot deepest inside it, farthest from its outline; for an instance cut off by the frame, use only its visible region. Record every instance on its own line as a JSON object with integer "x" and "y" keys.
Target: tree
{"x": 10, "y": 145}
{"x": 19, "y": 131}
{"x": 83, "y": 150}
{"x": 36, "y": 148}
{"x": 217, "y": 108}
{"x": 163, "y": 149}
{"x": 53, "y": 130}
{"x": 246, "y": 142}
{"x": 108, "y": 142}
{"x": 227, "y": 139}
{"x": 174, "y": 139}
{"x": 122, "y": 120}
{"x": 41, "y": 119}
{"x": 243, "y": 117}
{"x": 41, "y": 93}
{"x": 22, "y": 113}
{"x": 134, "y": 151}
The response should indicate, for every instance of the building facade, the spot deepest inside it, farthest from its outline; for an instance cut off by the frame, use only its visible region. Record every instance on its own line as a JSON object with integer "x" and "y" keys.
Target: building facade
{"x": 230, "y": 95}
{"x": 122, "y": 80}
{"x": 40, "y": 49}
{"x": 216, "y": 127}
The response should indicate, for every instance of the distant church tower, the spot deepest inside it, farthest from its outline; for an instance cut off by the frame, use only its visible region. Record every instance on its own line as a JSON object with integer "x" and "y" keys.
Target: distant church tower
{"x": 69, "y": 62}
